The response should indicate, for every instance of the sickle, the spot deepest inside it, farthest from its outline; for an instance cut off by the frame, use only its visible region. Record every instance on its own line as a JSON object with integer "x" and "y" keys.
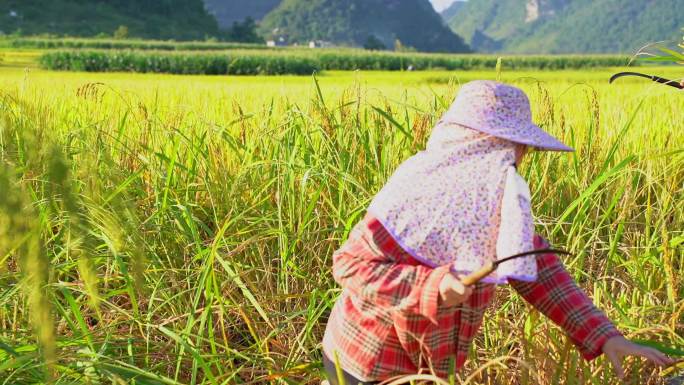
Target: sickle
{"x": 489, "y": 268}
{"x": 654, "y": 78}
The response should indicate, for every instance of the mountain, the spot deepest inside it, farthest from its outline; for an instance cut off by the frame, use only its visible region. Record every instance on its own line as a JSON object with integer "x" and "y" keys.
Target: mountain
{"x": 228, "y": 12}
{"x": 356, "y": 22}
{"x": 449, "y": 12}
{"x": 163, "y": 19}
{"x": 567, "y": 26}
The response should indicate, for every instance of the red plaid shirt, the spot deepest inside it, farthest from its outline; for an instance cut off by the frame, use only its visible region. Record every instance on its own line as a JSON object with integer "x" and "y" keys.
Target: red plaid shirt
{"x": 389, "y": 320}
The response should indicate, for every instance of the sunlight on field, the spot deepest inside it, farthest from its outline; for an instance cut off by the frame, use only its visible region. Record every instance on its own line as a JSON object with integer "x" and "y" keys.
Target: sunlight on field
{"x": 189, "y": 232}
{"x": 254, "y": 91}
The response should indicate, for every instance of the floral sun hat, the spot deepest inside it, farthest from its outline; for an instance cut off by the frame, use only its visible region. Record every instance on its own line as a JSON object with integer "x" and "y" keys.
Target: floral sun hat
{"x": 502, "y": 111}
{"x": 461, "y": 202}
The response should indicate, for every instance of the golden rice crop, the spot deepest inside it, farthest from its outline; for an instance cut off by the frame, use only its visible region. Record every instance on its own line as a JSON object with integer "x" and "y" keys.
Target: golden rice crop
{"x": 179, "y": 230}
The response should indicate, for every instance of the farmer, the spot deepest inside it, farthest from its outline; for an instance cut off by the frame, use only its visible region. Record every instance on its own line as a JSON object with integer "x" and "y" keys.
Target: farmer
{"x": 445, "y": 213}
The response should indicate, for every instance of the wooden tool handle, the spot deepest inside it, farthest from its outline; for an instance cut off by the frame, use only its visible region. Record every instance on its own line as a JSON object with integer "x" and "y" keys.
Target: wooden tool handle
{"x": 477, "y": 276}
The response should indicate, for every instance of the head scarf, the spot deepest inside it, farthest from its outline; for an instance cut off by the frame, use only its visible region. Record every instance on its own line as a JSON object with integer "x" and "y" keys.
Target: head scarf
{"x": 462, "y": 203}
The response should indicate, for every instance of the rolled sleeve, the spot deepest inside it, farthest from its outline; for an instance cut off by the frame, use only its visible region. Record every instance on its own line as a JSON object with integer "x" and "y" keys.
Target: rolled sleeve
{"x": 590, "y": 343}
{"x": 556, "y": 295}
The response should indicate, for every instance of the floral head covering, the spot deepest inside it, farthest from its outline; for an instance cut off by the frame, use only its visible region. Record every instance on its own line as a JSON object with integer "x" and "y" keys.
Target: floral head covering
{"x": 502, "y": 111}
{"x": 461, "y": 201}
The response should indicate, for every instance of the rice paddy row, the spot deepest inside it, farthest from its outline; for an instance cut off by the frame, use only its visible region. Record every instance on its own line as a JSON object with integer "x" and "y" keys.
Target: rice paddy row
{"x": 303, "y": 62}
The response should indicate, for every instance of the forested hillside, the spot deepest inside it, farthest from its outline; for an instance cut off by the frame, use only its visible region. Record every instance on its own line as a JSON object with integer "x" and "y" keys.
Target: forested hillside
{"x": 159, "y": 19}
{"x": 567, "y": 26}
{"x": 356, "y": 22}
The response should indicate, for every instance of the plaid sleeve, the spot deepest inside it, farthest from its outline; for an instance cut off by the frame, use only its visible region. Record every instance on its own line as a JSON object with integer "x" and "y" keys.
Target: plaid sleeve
{"x": 556, "y": 295}
{"x": 370, "y": 269}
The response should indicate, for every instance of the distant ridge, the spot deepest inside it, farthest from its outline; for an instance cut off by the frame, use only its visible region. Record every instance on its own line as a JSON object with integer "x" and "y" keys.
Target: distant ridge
{"x": 566, "y": 26}
{"x": 168, "y": 19}
{"x": 228, "y": 12}
{"x": 353, "y": 22}
{"x": 451, "y": 11}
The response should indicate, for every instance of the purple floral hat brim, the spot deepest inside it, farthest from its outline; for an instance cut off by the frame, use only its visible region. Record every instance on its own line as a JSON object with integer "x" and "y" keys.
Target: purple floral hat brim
{"x": 502, "y": 111}
{"x": 530, "y": 135}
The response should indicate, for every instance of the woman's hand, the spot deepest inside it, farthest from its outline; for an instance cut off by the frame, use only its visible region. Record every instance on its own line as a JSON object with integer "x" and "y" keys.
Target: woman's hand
{"x": 618, "y": 347}
{"x": 452, "y": 291}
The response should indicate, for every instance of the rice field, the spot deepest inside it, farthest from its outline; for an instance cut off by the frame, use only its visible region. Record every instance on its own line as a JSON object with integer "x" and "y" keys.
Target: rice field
{"x": 305, "y": 61}
{"x": 160, "y": 229}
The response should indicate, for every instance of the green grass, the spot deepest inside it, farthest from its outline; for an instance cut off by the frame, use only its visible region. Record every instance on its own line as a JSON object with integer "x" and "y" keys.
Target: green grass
{"x": 301, "y": 61}
{"x": 181, "y": 227}
{"x": 159, "y": 45}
